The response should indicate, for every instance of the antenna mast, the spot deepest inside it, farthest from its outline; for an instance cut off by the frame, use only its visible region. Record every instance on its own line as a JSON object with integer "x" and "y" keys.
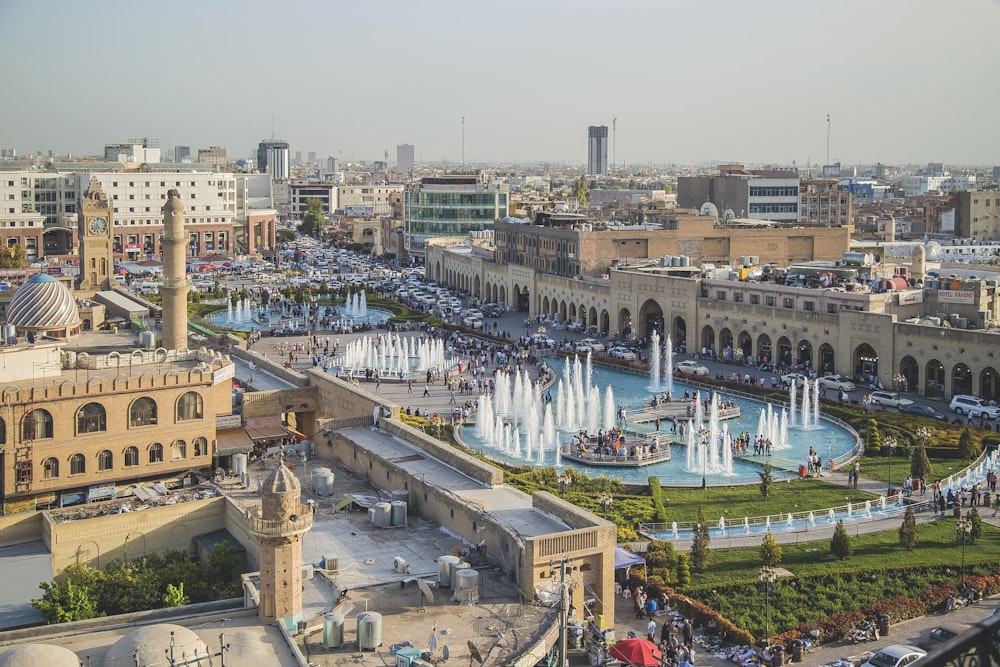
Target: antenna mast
{"x": 614, "y": 144}
{"x": 828, "y": 138}
{"x": 463, "y": 141}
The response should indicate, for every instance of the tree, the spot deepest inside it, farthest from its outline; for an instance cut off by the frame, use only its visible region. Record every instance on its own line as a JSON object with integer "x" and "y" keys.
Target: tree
{"x": 908, "y": 531}
{"x": 840, "y": 545}
{"x": 920, "y": 465}
{"x": 314, "y": 220}
{"x": 873, "y": 439}
{"x": 581, "y": 192}
{"x": 770, "y": 550}
{"x": 265, "y": 297}
{"x": 683, "y": 570}
{"x": 968, "y": 448}
{"x": 668, "y": 189}
{"x": 14, "y": 257}
{"x": 701, "y": 551}
{"x": 285, "y": 235}
{"x": 73, "y": 599}
{"x": 766, "y": 480}
{"x": 976, "y": 522}
{"x": 174, "y": 597}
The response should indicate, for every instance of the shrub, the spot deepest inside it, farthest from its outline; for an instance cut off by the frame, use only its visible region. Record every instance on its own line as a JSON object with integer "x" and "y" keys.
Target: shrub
{"x": 701, "y": 545}
{"x": 656, "y": 493}
{"x": 840, "y": 545}
{"x": 908, "y": 531}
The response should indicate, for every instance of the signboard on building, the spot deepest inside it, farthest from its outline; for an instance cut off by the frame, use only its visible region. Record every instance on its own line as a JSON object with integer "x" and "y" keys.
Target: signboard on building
{"x": 227, "y": 372}
{"x": 354, "y": 211}
{"x": 912, "y": 296}
{"x": 101, "y": 492}
{"x": 956, "y": 296}
{"x": 228, "y": 421}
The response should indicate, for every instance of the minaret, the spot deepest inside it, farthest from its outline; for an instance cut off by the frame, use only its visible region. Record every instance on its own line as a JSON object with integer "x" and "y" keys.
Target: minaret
{"x": 279, "y": 528}
{"x": 175, "y": 283}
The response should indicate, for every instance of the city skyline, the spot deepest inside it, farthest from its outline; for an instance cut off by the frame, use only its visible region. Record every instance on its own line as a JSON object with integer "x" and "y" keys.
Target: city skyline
{"x": 902, "y": 81}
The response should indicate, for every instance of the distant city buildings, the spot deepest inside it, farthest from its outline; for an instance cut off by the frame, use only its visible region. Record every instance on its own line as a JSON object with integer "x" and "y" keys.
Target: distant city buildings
{"x": 760, "y": 194}
{"x": 823, "y": 203}
{"x": 451, "y": 205}
{"x": 143, "y": 151}
{"x": 404, "y": 158}
{"x": 597, "y": 150}
{"x": 182, "y": 153}
{"x": 976, "y": 214}
{"x": 212, "y": 155}
{"x": 272, "y": 158}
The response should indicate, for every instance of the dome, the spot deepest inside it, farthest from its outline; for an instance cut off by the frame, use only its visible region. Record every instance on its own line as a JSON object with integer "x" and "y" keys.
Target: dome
{"x": 282, "y": 480}
{"x": 148, "y": 644}
{"x": 43, "y": 304}
{"x": 30, "y": 655}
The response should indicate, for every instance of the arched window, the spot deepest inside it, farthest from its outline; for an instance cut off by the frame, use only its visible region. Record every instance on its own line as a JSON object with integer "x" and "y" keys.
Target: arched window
{"x": 200, "y": 447}
{"x": 142, "y": 412}
{"x": 37, "y": 425}
{"x": 156, "y": 453}
{"x": 77, "y": 464}
{"x": 91, "y": 419}
{"x": 189, "y": 406}
{"x": 50, "y": 468}
{"x": 3, "y": 432}
{"x": 105, "y": 460}
{"x": 131, "y": 456}
{"x": 178, "y": 450}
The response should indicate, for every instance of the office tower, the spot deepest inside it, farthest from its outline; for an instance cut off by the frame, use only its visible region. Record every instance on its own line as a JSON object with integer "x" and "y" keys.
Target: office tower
{"x": 312, "y": 156}
{"x": 597, "y": 150}
{"x": 182, "y": 153}
{"x": 404, "y": 157}
{"x": 272, "y": 158}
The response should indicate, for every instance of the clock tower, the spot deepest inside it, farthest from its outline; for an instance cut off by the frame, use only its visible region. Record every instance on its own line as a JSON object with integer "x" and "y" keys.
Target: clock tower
{"x": 95, "y": 234}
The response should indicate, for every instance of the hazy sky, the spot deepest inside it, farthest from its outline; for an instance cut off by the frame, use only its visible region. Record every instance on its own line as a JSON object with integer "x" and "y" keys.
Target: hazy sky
{"x": 689, "y": 80}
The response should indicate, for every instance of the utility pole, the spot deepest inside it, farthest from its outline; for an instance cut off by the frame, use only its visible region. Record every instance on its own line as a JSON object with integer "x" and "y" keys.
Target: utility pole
{"x": 828, "y": 139}
{"x": 564, "y": 606}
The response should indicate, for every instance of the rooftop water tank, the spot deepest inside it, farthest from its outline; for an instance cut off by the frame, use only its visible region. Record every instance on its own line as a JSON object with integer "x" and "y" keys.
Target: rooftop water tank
{"x": 398, "y": 512}
{"x": 381, "y": 515}
{"x": 333, "y": 631}
{"x": 466, "y": 588}
{"x": 239, "y": 463}
{"x": 400, "y": 494}
{"x": 455, "y": 569}
{"x": 445, "y": 563}
{"x": 369, "y": 630}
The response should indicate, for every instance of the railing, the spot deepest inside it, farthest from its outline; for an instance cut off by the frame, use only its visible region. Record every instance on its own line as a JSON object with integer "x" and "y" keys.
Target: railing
{"x": 979, "y": 647}
{"x": 278, "y": 528}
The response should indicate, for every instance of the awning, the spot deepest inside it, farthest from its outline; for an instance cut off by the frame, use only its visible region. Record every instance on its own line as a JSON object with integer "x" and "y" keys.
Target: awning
{"x": 265, "y": 428}
{"x": 232, "y": 441}
{"x": 625, "y": 558}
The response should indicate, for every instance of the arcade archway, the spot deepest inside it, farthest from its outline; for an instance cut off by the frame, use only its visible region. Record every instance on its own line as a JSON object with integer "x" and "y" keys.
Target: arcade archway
{"x": 961, "y": 379}
{"x": 865, "y": 362}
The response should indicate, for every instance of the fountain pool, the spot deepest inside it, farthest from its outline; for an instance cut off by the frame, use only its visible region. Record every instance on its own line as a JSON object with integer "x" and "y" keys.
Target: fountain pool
{"x": 246, "y": 317}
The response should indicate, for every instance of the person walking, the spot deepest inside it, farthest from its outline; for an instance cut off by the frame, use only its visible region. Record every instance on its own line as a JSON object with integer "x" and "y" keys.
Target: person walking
{"x": 651, "y": 630}
{"x": 426, "y": 393}
{"x": 409, "y": 386}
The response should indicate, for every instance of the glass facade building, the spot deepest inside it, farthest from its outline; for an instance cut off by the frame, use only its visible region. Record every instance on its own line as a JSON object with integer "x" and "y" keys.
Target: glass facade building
{"x": 451, "y": 205}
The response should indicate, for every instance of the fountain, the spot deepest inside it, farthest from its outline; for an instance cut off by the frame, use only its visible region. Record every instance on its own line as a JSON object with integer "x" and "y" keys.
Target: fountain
{"x": 881, "y": 503}
{"x": 767, "y": 524}
{"x": 816, "y": 402}
{"x": 790, "y": 522}
{"x": 722, "y": 525}
{"x": 849, "y": 511}
{"x": 654, "y": 361}
{"x": 746, "y": 525}
{"x": 806, "y": 412}
{"x": 812, "y": 520}
{"x": 868, "y": 509}
{"x": 673, "y": 527}
{"x": 792, "y": 397}
{"x": 831, "y": 516}
{"x": 669, "y": 371}
{"x": 709, "y": 450}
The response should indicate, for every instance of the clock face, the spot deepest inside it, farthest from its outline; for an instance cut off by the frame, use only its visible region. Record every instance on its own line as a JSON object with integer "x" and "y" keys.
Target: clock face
{"x": 98, "y": 225}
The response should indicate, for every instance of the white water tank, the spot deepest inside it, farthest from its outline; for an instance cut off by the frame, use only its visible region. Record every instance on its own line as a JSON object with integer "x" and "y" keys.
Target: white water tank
{"x": 445, "y": 563}
{"x": 381, "y": 515}
{"x": 467, "y": 586}
{"x": 239, "y": 464}
{"x": 333, "y": 631}
{"x": 322, "y": 481}
{"x": 455, "y": 569}
{"x": 369, "y": 630}
{"x": 398, "y": 512}
{"x": 147, "y": 339}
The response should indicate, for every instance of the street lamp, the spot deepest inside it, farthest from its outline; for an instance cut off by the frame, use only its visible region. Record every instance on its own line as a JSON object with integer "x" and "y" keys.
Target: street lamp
{"x": 923, "y": 435}
{"x": 963, "y": 529}
{"x": 890, "y": 444}
{"x": 605, "y": 500}
{"x": 767, "y": 577}
{"x": 704, "y": 438}
{"x": 564, "y": 480}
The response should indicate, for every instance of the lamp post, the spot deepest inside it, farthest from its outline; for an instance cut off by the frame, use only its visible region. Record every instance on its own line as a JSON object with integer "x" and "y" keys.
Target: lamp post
{"x": 703, "y": 441}
{"x": 605, "y": 500}
{"x": 767, "y": 577}
{"x": 890, "y": 444}
{"x": 963, "y": 529}
{"x": 923, "y": 435}
{"x": 564, "y": 480}
{"x": 560, "y": 569}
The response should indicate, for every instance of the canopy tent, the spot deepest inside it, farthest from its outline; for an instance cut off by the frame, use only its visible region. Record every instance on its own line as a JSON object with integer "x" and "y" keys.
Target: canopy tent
{"x": 625, "y": 558}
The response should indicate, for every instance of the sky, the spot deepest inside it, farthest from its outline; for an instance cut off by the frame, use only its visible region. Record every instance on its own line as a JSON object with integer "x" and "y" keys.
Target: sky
{"x": 689, "y": 81}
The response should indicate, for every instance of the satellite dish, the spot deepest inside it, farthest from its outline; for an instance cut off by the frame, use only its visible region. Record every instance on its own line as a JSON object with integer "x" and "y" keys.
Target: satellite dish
{"x": 474, "y": 653}
{"x": 432, "y": 642}
{"x": 426, "y": 594}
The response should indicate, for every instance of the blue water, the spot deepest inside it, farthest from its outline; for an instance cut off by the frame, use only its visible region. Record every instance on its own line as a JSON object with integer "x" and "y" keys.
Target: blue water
{"x": 829, "y": 441}
{"x": 248, "y": 319}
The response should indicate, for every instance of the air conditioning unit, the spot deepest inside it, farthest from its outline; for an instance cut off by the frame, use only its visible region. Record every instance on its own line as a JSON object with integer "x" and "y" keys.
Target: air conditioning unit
{"x": 399, "y": 565}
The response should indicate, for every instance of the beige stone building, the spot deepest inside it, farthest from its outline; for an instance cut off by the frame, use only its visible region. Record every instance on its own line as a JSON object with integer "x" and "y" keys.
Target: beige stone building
{"x": 821, "y": 203}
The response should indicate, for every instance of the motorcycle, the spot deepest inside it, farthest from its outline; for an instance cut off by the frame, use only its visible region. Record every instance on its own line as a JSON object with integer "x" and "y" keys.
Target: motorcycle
{"x": 867, "y": 632}
{"x": 963, "y": 599}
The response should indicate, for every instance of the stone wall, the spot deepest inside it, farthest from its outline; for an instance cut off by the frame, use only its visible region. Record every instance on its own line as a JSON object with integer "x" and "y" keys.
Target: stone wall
{"x": 20, "y": 528}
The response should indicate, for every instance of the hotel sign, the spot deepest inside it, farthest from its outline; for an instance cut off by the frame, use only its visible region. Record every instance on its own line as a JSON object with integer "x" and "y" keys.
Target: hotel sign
{"x": 956, "y": 296}
{"x": 227, "y": 372}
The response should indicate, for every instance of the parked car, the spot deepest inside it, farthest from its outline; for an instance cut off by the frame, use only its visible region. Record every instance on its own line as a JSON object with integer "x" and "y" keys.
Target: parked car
{"x": 889, "y": 399}
{"x": 690, "y": 368}
{"x": 798, "y": 378}
{"x": 897, "y": 655}
{"x": 836, "y": 383}
{"x": 942, "y": 633}
{"x": 963, "y": 404}
{"x": 594, "y": 345}
{"x": 923, "y": 411}
{"x": 581, "y": 348}
{"x": 622, "y": 353}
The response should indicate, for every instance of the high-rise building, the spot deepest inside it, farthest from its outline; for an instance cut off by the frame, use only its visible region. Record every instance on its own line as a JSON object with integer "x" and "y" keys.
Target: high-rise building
{"x": 597, "y": 150}
{"x": 182, "y": 153}
{"x": 298, "y": 157}
{"x": 312, "y": 156}
{"x": 451, "y": 205}
{"x": 404, "y": 158}
{"x": 272, "y": 158}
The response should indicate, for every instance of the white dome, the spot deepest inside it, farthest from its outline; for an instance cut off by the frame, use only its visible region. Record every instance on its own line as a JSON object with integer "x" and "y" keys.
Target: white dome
{"x": 152, "y": 641}
{"x": 32, "y": 655}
